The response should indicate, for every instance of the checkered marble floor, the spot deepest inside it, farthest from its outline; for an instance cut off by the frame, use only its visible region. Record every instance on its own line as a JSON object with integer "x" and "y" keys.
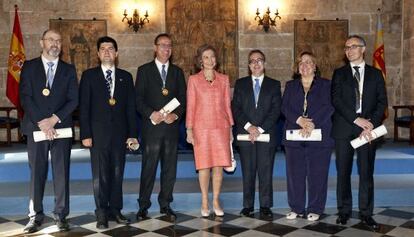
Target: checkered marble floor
{"x": 398, "y": 222}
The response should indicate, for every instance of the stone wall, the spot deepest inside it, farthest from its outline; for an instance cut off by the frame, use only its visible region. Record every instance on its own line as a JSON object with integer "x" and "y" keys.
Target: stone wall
{"x": 278, "y": 43}
{"x": 136, "y": 48}
{"x": 407, "y": 80}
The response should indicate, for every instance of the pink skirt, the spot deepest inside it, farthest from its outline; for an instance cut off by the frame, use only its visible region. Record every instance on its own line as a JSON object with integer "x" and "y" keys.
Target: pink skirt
{"x": 211, "y": 148}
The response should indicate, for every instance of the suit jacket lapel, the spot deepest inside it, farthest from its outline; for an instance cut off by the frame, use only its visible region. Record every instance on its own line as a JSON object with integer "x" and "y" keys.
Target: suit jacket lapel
{"x": 350, "y": 80}
{"x": 366, "y": 86}
{"x": 101, "y": 82}
{"x": 157, "y": 73}
{"x": 41, "y": 72}
{"x": 250, "y": 93}
{"x": 169, "y": 78}
{"x": 349, "y": 74}
{"x": 118, "y": 83}
{"x": 263, "y": 91}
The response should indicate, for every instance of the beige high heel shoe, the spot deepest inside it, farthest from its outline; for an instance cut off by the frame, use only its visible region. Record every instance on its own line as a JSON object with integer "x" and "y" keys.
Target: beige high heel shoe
{"x": 205, "y": 213}
{"x": 218, "y": 212}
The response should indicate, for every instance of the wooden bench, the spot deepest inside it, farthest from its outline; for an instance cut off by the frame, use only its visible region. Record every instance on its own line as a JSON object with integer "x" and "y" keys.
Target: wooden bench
{"x": 405, "y": 121}
{"x": 9, "y": 123}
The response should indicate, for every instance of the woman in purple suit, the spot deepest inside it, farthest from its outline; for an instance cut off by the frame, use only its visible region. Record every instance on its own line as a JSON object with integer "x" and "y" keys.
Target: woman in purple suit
{"x": 307, "y": 106}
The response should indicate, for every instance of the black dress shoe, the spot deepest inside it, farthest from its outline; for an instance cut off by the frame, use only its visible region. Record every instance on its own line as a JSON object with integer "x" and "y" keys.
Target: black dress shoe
{"x": 142, "y": 213}
{"x": 168, "y": 212}
{"x": 266, "y": 212}
{"x": 342, "y": 219}
{"x": 62, "y": 224}
{"x": 370, "y": 222}
{"x": 32, "y": 226}
{"x": 120, "y": 219}
{"x": 247, "y": 212}
{"x": 102, "y": 224}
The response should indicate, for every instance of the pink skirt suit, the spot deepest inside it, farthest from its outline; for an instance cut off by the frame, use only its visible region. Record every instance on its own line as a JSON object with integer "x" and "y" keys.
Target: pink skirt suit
{"x": 209, "y": 116}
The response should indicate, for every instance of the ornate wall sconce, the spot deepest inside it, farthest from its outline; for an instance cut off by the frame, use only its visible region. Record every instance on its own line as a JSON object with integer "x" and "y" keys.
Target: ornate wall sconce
{"x": 266, "y": 21}
{"x": 135, "y": 22}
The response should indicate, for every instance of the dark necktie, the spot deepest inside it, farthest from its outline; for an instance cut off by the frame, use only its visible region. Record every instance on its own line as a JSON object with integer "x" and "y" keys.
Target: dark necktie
{"x": 357, "y": 79}
{"x": 49, "y": 74}
{"x": 108, "y": 80}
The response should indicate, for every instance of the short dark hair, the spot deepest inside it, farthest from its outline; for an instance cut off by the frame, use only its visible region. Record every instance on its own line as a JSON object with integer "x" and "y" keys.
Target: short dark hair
{"x": 256, "y": 51}
{"x": 160, "y": 36}
{"x": 358, "y": 37}
{"x": 199, "y": 56}
{"x": 50, "y": 30}
{"x": 106, "y": 39}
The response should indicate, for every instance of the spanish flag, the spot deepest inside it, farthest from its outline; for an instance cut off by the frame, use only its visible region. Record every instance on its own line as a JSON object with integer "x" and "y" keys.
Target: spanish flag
{"x": 378, "y": 57}
{"x": 15, "y": 63}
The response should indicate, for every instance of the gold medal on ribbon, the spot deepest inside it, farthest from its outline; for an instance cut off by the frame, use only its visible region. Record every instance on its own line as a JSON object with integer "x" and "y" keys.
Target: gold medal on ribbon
{"x": 112, "y": 101}
{"x": 164, "y": 91}
{"x": 46, "y": 92}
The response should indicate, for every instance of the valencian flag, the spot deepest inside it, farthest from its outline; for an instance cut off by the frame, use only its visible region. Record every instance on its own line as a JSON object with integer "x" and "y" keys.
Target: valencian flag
{"x": 15, "y": 63}
{"x": 378, "y": 57}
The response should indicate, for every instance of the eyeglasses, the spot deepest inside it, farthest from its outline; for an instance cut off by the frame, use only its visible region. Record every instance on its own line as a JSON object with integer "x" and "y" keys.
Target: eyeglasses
{"x": 165, "y": 46}
{"x": 353, "y": 47}
{"x": 258, "y": 61}
{"x": 51, "y": 40}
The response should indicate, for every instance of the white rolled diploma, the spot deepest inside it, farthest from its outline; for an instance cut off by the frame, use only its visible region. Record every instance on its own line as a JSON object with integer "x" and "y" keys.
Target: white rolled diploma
{"x": 376, "y": 133}
{"x": 169, "y": 107}
{"x": 133, "y": 146}
{"x": 261, "y": 138}
{"x": 39, "y": 136}
{"x": 294, "y": 135}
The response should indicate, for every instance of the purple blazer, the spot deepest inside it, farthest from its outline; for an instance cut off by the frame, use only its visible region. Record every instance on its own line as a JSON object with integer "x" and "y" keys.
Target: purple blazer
{"x": 319, "y": 108}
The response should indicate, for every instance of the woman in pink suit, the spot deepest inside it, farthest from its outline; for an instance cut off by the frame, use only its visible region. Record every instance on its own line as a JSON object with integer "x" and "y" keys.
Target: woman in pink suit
{"x": 209, "y": 121}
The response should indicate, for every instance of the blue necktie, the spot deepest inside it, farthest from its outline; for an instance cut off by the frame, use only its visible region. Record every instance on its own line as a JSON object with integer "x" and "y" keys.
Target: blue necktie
{"x": 163, "y": 74}
{"x": 256, "y": 90}
{"x": 108, "y": 80}
{"x": 49, "y": 74}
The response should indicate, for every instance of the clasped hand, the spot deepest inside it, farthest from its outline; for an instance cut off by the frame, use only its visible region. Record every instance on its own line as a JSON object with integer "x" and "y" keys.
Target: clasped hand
{"x": 253, "y": 133}
{"x": 307, "y": 126}
{"x": 47, "y": 126}
{"x": 367, "y": 127}
{"x": 157, "y": 117}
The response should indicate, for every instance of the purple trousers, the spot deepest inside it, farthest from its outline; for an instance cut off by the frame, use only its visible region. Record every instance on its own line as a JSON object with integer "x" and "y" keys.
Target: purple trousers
{"x": 307, "y": 170}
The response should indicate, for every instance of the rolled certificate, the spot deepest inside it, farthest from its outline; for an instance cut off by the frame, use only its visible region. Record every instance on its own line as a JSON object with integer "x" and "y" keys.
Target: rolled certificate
{"x": 294, "y": 135}
{"x": 376, "y": 133}
{"x": 39, "y": 136}
{"x": 169, "y": 107}
{"x": 133, "y": 146}
{"x": 261, "y": 138}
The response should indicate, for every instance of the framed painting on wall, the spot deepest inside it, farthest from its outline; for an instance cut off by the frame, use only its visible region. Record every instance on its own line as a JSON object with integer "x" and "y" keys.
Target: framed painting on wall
{"x": 79, "y": 41}
{"x": 324, "y": 38}
{"x": 194, "y": 23}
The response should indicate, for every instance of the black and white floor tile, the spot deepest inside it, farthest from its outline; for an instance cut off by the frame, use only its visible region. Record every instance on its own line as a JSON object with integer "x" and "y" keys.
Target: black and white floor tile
{"x": 397, "y": 222}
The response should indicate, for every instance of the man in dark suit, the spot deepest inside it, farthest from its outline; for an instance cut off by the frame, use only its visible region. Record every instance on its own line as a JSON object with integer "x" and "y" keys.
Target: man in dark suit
{"x": 157, "y": 83}
{"x": 256, "y": 109}
{"x": 359, "y": 98}
{"x": 107, "y": 127}
{"x": 49, "y": 94}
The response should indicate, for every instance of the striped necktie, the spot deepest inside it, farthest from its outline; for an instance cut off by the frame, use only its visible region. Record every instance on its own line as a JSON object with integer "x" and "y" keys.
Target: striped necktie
{"x": 108, "y": 80}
